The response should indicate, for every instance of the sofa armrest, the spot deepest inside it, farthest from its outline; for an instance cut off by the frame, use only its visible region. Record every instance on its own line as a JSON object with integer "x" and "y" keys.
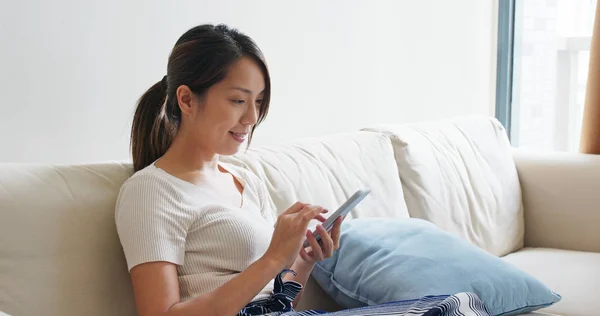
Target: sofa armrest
{"x": 561, "y": 199}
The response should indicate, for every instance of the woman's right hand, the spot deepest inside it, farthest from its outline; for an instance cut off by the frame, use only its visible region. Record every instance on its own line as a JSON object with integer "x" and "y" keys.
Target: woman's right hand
{"x": 290, "y": 232}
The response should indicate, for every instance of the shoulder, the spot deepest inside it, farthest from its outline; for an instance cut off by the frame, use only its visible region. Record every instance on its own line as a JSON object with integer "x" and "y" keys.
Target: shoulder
{"x": 151, "y": 222}
{"x": 146, "y": 182}
{"x": 152, "y": 199}
{"x": 148, "y": 189}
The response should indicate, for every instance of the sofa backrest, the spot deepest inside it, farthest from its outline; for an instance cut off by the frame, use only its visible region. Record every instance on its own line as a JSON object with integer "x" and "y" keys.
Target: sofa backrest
{"x": 328, "y": 170}
{"x": 60, "y": 253}
{"x": 59, "y": 249}
{"x": 460, "y": 175}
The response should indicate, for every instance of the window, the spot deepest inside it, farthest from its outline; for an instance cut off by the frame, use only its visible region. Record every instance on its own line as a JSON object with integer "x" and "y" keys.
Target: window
{"x": 544, "y": 49}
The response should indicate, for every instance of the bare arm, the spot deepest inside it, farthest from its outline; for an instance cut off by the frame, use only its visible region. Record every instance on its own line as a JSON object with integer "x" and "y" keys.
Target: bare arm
{"x": 306, "y": 260}
{"x": 156, "y": 290}
{"x": 156, "y": 285}
{"x": 303, "y": 270}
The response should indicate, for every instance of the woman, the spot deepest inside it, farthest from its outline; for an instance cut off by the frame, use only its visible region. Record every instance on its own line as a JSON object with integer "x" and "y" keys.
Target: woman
{"x": 197, "y": 234}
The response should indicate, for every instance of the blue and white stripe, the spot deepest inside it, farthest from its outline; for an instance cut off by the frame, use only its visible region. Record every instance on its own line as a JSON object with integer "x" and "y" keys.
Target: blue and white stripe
{"x": 284, "y": 293}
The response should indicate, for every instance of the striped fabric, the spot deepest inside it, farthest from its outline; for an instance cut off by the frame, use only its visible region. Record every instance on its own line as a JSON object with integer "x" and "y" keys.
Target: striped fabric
{"x": 460, "y": 304}
{"x": 280, "y": 304}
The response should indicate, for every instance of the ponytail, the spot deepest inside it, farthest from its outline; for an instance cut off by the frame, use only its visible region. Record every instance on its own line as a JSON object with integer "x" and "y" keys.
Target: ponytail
{"x": 152, "y": 131}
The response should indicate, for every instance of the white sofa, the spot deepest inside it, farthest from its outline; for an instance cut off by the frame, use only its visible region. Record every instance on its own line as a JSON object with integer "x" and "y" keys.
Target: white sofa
{"x": 60, "y": 254}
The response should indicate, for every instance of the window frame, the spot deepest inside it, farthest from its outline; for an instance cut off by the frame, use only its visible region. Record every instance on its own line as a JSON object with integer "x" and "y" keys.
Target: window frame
{"x": 505, "y": 63}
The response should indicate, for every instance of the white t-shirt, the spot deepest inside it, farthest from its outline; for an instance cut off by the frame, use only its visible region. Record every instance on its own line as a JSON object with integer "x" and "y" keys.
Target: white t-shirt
{"x": 160, "y": 217}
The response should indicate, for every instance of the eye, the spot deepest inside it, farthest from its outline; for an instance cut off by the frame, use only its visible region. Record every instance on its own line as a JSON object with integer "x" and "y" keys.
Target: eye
{"x": 238, "y": 101}
{"x": 259, "y": 103}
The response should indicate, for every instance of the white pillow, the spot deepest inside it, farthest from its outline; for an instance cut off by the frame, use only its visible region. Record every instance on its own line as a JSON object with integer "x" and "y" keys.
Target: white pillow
{"x": 460, "y": 175}
{"x": 326, "y": 171}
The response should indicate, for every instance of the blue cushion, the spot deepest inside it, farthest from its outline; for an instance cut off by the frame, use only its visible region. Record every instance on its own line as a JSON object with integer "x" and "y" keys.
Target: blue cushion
{"x": 384, "y": 260}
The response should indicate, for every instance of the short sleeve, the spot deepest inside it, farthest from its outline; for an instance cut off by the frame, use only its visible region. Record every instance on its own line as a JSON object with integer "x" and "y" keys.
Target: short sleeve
{"x": 151, "y": 225}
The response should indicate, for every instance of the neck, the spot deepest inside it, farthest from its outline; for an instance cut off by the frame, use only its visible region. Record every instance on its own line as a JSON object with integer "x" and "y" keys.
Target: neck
{"x": 185, "y": 158}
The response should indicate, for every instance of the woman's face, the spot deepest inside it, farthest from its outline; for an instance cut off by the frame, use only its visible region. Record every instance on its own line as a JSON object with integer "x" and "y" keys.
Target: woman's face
{"x": 221, "y": 120}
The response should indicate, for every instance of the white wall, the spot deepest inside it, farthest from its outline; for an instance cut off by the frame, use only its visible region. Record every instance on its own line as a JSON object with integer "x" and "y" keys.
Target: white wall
{"x": 71, "y": 71}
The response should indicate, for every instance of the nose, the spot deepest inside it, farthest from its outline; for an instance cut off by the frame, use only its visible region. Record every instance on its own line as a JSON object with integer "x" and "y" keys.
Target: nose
{"x": 251, "y": 116}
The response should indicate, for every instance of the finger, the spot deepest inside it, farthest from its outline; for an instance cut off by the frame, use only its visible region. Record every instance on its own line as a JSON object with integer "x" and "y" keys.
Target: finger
{"x": 309, "y": 212}
{"x": 335, "y": 233}
{"x": 314, "y": 246}
{"x": 320, "y": 218}
{"x": 295, "y": 208}
{"x": 326, "y": 242}
{"x": 305, "y": 255}
{"x": 314, "y": 208}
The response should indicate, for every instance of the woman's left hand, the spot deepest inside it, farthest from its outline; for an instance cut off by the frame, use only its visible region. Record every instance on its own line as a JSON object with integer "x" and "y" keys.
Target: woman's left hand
{"x": 324, "y": 249}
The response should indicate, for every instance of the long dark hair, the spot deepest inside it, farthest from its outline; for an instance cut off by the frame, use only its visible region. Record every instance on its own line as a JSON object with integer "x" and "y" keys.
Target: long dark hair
{"x": 199, "y": 60}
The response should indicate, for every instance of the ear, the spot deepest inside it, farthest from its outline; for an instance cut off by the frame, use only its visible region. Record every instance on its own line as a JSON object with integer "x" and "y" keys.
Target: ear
{"x": 185, "y": 99}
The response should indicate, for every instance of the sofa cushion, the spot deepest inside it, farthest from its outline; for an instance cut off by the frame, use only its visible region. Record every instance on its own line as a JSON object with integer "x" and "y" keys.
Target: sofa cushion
{"x": 573, "y": 274}
{"x": 460, "y": 175}
{"x": 59, "y": 250}
{"x": 386, "y": 260}
{"x": 327, "y": 171}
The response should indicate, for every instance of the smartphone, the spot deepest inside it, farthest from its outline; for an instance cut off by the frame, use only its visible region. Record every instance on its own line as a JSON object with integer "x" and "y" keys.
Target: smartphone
{"x": 348, "y": 206}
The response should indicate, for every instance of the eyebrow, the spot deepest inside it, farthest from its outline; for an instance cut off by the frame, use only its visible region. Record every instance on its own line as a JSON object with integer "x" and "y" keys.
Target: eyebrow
{"x": 248, "y": 91}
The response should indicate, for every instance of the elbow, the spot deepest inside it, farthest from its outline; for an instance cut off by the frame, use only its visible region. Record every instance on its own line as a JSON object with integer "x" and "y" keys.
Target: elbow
{"x": 191, "y": 308}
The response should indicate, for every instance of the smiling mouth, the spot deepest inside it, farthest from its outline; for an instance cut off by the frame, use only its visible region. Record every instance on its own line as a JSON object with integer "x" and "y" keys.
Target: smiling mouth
{"x": 240, "y": 137}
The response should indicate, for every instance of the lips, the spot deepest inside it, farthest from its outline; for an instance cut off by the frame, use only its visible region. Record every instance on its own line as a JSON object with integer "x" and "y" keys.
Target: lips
{"x": 240, "y": 137}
